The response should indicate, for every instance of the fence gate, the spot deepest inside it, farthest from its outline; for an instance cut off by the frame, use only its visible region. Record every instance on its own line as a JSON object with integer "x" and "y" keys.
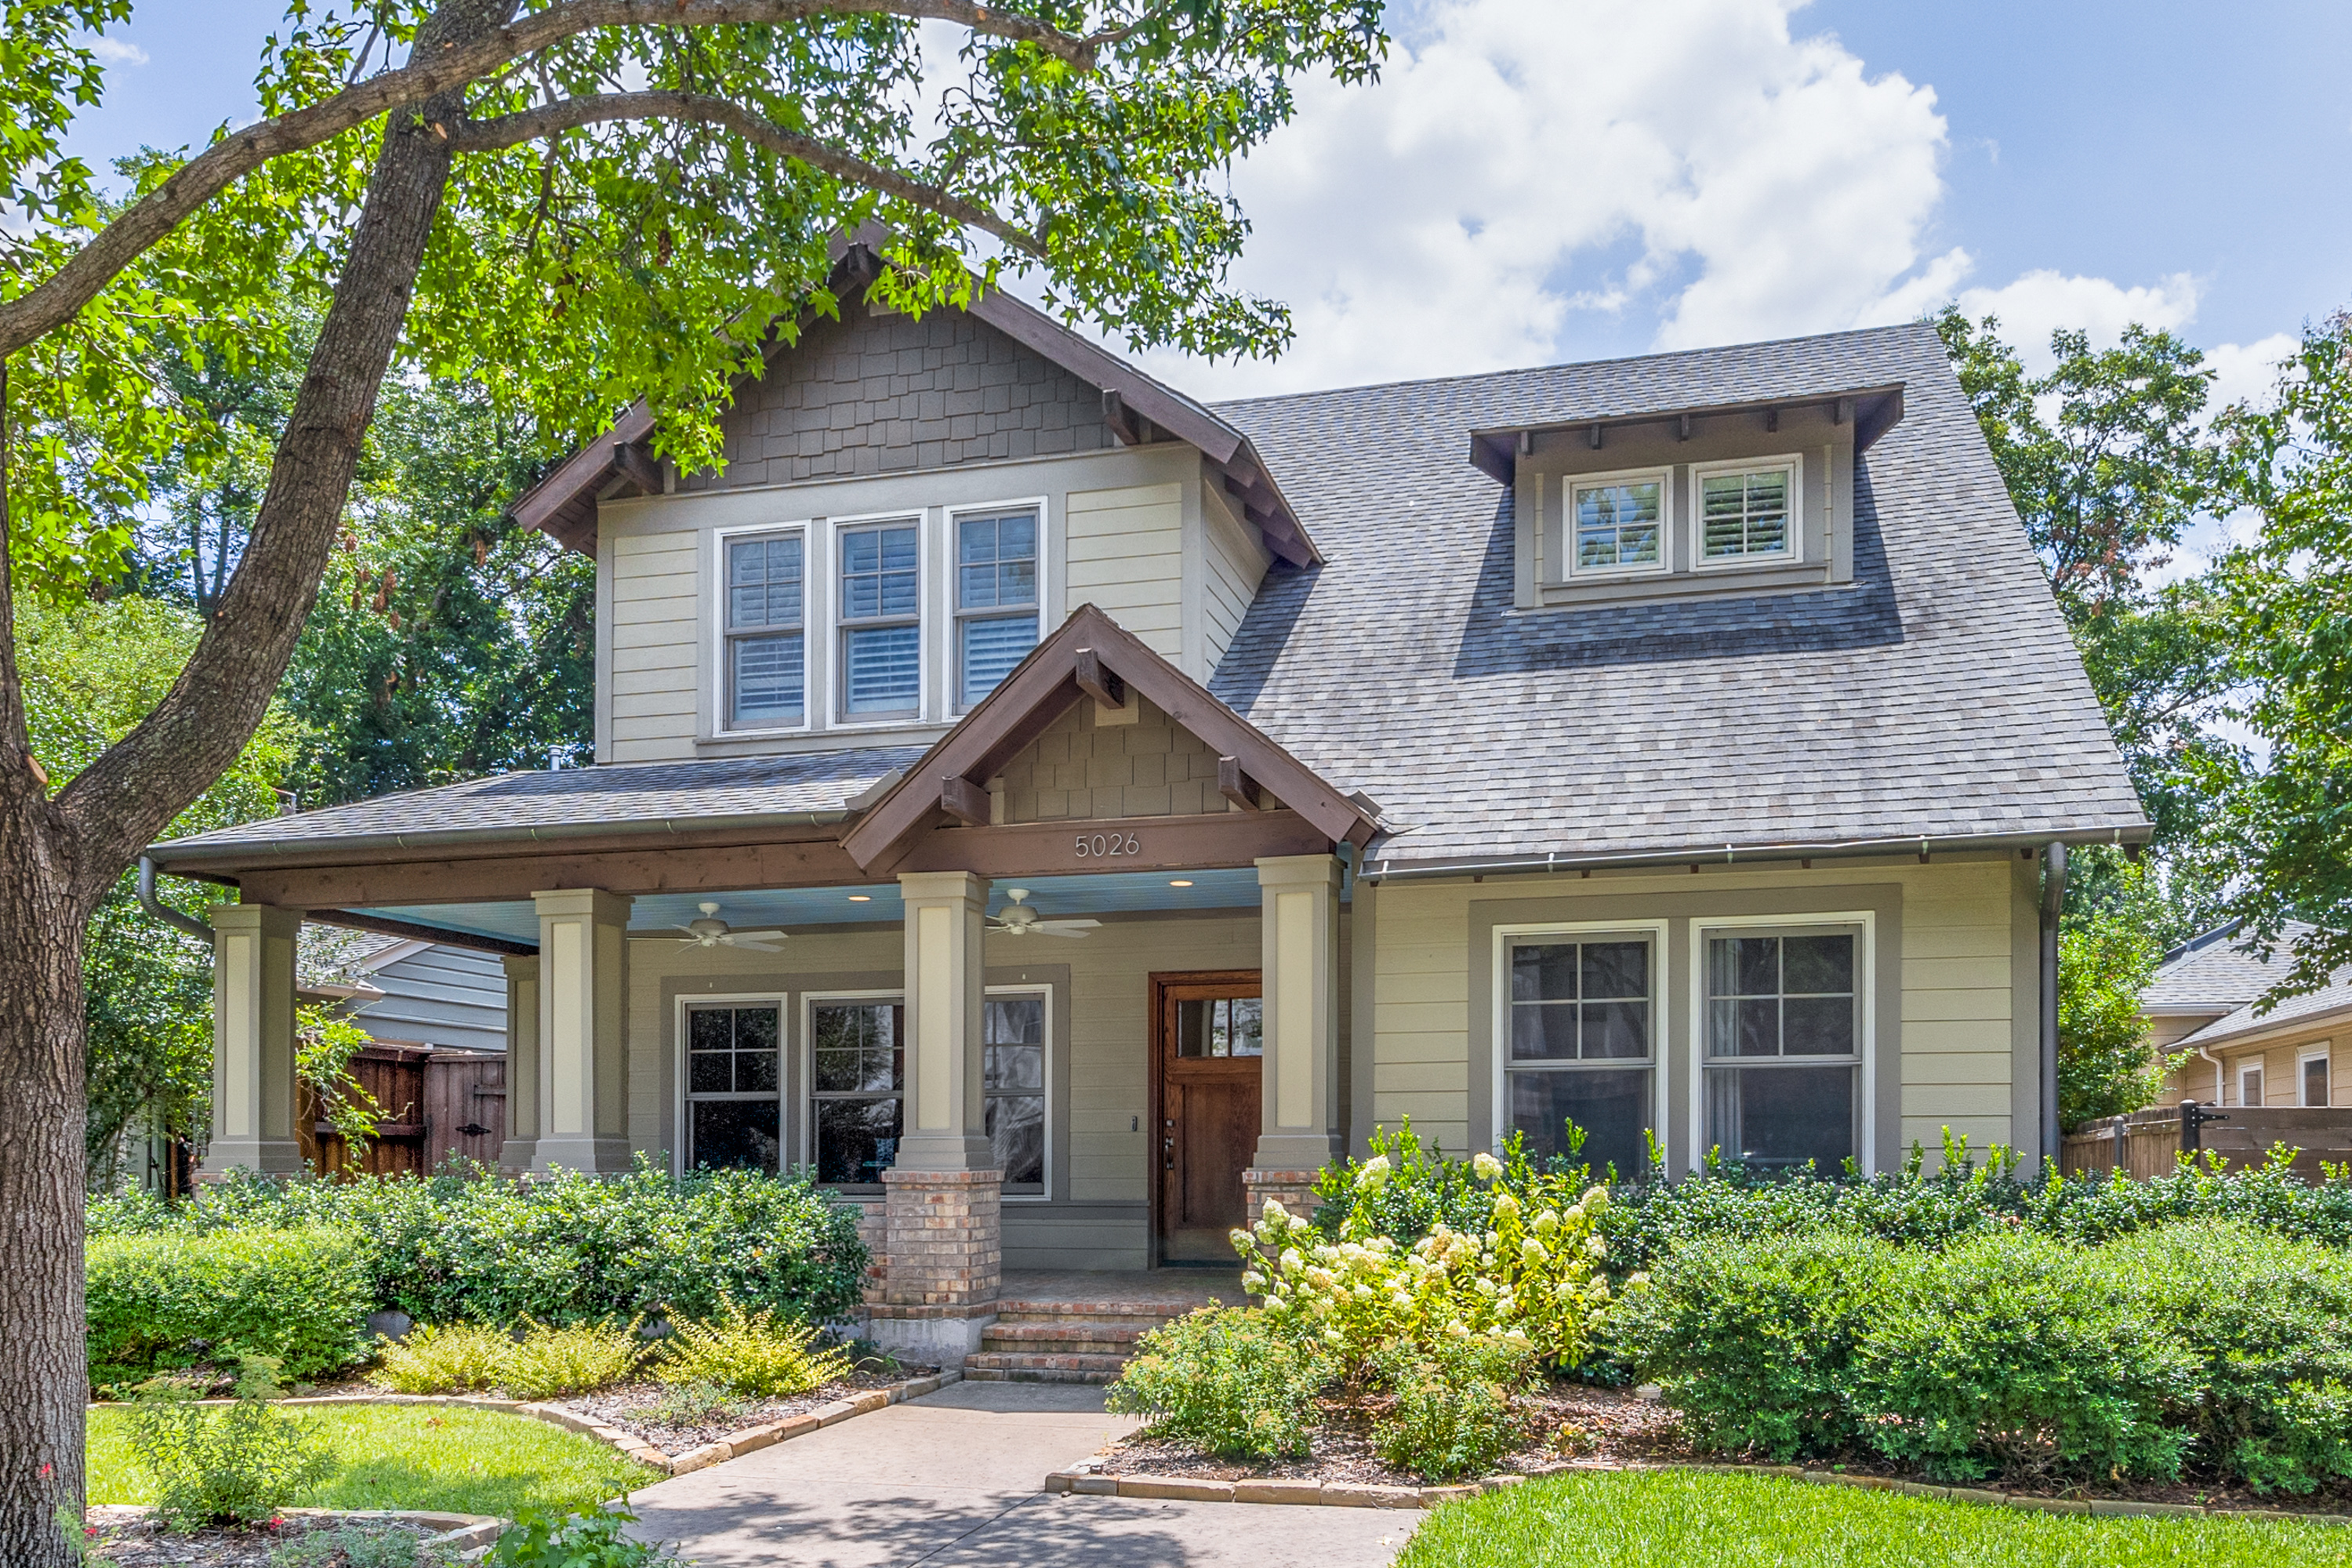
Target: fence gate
{"x": 435, "y": 1104}
{"x": 2148, "y": 1144}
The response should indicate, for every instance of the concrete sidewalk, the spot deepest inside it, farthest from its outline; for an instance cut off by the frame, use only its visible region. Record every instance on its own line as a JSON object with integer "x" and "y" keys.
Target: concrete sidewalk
{"x": 952, "y": 1482}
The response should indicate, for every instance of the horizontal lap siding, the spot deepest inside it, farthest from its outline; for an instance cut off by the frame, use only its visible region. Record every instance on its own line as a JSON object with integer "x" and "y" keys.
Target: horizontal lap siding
{"x": 1959, "y": 1003}
{"x": 650, "y": 688}
{"x": 1236, "y": 564}
{"x": 1125, "y": 555}
{"x": 1420, "y": 1010}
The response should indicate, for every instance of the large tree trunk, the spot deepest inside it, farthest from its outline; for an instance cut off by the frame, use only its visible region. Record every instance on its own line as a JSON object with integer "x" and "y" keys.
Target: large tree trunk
{"x": 58, "y": 857}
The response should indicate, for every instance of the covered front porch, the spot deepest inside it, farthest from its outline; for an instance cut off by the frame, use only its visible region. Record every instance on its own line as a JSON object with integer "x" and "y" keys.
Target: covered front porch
{"x": 851, "y": 985}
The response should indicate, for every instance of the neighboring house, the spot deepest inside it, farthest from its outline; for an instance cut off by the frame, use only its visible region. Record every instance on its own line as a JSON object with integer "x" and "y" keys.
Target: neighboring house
{"x": 2202, "y": 1001}
{"x": 430, "y": 993}
{"x": 1671, "y": 745}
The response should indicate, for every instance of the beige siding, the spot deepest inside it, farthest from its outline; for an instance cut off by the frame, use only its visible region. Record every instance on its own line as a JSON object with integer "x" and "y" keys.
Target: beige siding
{"x": 649, "y": 689}
{"x": 1235, "y": 561}
{"x": 1958, "y": 993}
{"x": 1125, "y": 554}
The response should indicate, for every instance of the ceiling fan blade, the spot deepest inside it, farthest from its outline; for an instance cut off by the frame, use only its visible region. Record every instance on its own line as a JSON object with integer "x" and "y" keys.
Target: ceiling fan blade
{"x": 756, "y": 946}
{"x": 1055, "y": 927}
{"x": 690, "y": 931}
{"x": 1068, "y": 925}
{"x": 759, "y": 935}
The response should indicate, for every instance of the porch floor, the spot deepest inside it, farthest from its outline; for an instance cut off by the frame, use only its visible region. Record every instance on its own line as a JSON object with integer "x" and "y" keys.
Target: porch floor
{"x": 1170, "y": 1291}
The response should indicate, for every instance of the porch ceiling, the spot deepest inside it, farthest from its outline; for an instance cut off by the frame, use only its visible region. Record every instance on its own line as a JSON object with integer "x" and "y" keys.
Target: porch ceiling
{"x": 653, "y": 914}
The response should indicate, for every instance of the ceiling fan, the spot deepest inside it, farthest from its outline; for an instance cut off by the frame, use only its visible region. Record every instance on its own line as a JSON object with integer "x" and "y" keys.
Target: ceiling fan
{"x": 711, "y": 932}
{"x": 1020, "y": 920}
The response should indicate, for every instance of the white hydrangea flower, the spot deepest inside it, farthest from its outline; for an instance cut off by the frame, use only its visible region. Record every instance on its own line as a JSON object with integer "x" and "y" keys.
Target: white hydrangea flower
{"x": 1372, "y": 1174}
{"x": 1506, "y": 1205}
{"x": 1595, "y": 1245}
{"x": 1293, "y": 1260}
{"x": 1254, "y": 1282}
{"x": 1485, "y": 1166}
{"x": 1275, "y": 1213}
{"x": 1531, "y": 1252}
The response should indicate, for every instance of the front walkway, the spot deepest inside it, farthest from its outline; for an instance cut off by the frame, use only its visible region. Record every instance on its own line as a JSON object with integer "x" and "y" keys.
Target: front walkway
{"x": 953, "y": 1481}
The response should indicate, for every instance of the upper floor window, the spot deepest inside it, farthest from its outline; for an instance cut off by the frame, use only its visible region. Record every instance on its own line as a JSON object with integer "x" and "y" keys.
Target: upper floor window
{"x": 1748, "y": 512}
{"x": 995, "y": 599}
{"x": 766, "y": 660}
{"x": 1618, "y": 522}
{"x": 881, "y": 621}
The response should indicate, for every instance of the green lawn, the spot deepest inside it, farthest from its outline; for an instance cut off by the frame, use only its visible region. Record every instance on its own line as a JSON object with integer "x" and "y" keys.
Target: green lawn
{"x": 411, "y": 1456}
{"x": 1667, "y": 1518}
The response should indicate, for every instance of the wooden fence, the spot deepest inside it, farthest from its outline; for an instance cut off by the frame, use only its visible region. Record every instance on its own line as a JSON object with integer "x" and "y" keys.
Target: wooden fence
{"x": 435, "y": 1103}
{"x": 2148, "y": 1144}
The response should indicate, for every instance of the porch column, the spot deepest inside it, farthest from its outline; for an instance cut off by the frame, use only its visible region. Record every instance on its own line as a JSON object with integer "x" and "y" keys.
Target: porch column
{"x": 253, "y": 1039}
{"x": 943, "y": 1242}
{"x": 582, "y": 1119}
{"x": 523, "y": 1065}
{"x": 1298, "y": 934}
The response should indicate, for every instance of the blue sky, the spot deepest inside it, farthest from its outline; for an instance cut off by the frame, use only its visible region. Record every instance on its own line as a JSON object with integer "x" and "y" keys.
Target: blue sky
{"x": 1543, "y": 180}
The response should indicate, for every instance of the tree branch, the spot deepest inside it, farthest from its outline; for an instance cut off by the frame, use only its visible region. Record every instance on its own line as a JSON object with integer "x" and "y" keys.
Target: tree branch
{"x": 44, "y": 309}
{"x": 571, "y": 113}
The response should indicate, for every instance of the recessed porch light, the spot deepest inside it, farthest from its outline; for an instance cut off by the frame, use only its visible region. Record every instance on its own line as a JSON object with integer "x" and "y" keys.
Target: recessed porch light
{"x": 861, "y": 898}
{"x": 1180, "y": 881}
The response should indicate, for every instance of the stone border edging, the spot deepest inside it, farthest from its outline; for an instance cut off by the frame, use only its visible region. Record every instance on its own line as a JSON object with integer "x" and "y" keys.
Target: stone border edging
{"x": 1087, "y": 1482}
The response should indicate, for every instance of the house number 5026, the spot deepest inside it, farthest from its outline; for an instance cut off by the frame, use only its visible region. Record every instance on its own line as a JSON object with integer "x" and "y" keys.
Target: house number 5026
{"x": 1103, "y": 846}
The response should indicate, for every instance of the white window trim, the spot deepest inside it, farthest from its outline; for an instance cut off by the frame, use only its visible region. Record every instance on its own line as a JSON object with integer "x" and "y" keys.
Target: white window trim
{"x": 2303, "y": 1067}
{"x": 1867, "y": 1029}
{"x": 722, "y": 703}
{"x": 1659, "y": 933}
{"x": 836, "y": 667}
{"x": 782, "y": 1002}
{"x": 1797, "y": 516}
{"x": 2253, "y": 1070}
{"x": 1042, "y": 991}
{"x": 809, "y": 1001}
{"x": 1571, "y": 483}
{"x": 949, "y": 686}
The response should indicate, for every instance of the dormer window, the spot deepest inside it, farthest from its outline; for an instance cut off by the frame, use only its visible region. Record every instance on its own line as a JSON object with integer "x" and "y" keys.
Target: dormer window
{"x": 1620, "y": 521}
{"x": 766, "y": 664}
{"x": 881, "y": 621}
{"x": 1748, "y": 511}
{"x": 995, "y": 599}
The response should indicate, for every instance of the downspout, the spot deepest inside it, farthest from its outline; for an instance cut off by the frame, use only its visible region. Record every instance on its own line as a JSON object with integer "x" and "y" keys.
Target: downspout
{"x": 163, "y": 912}
{"x": 2053, "y": 899}
{"x": 2207, "y": 1052}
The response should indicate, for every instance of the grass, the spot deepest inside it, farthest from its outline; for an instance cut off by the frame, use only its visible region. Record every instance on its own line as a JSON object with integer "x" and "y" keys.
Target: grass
{"x": 420, "y": 1457}
{"x": 1665, "y": 1518}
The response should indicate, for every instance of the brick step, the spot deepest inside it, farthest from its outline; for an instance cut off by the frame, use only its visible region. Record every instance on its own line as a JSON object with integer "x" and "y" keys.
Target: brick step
{"x": 1026, "y": 1366}
{"x": 1043, "y": 1336}
{"x": 1146, "y": 1313}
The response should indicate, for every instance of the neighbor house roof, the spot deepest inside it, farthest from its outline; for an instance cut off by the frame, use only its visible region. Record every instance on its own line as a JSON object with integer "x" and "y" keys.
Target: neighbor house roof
{"x": 1937, "y": 696}
{"x": 2218, "y": 974}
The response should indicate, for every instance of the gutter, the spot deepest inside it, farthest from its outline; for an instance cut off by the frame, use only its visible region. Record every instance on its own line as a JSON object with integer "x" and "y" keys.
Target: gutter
{"x": 550, "y": 833}
{"x": 2053, "y": 900}
{"x": 1923, "y": 845}
{"x": 186, "y": 924}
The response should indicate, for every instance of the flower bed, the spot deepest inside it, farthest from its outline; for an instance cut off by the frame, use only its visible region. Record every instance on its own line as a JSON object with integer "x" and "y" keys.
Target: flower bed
{"x": 134, "y": 1538}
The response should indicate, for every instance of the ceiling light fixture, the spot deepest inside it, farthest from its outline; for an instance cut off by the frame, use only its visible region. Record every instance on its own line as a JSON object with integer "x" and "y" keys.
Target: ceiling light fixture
{"x": 1180, "y": 881}
{"x": 861, "y": 898}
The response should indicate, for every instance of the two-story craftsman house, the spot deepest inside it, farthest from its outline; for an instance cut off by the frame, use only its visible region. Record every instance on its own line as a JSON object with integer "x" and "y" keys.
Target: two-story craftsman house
{"x": 1053, "y": 809}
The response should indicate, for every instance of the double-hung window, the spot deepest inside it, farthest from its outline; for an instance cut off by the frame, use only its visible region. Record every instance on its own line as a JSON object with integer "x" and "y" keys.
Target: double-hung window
{"x": 766, "y": 658}
{"x": 995, "y": 599}
{"x": 1747, "y": 513}
{"x": 1012, "y": 1082}
{"x": 733, "y": 1086}
{"x": 1618, "y": 523}
{"x": 1783, "y": 1031}
{"x": 857, "y": 1087}
{"x": 1580, "y": 1046}
{"x": 881, "y": 621}
{"x": 2314, "y": 1070}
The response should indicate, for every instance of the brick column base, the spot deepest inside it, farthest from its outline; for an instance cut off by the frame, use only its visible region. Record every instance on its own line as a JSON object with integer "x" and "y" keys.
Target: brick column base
{"x": 1296, "y": 1189}
{"x": 943, "y": 1262}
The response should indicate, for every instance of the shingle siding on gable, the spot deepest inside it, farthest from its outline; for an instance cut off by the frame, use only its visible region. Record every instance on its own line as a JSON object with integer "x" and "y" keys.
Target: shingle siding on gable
{"x": 1078, "y": 771}
{"x": 877, "y": 395}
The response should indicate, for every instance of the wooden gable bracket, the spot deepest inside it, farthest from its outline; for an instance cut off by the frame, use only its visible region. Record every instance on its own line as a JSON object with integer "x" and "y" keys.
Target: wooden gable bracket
{"x": 1236, "y": 785}
{"x": 1097, "y": 682}
{"x": 1091, "y": 656}
{"x": 636, "y": 466}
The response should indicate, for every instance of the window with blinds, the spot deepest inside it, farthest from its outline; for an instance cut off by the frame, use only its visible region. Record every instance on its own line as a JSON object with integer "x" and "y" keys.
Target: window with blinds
{"x": 1745, "y": 514}
{"x": 995, "y": 599}
{"x": 881, "y": 621}
{"x": 766, "y": 657}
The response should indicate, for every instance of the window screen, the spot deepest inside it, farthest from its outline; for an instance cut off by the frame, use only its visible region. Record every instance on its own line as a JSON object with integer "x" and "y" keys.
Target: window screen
{"x": 1580, "y": 1047}
{"x": 733, "y": 1085}
{"x": 1783, "y": 1057}
{"x": 881, "y": 634}
{"x": 2315, "y": 1081}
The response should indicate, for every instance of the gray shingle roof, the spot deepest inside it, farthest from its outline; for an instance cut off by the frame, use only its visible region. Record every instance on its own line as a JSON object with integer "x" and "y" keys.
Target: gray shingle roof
{"x": 2334, "y": 997}
{"x": 578, "y": 799}
{"x": 1939, "y": 695}
{"x": 2216, "y": 973}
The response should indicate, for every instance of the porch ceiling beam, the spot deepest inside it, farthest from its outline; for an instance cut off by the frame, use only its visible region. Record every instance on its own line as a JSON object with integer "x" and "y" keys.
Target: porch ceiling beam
{"x": 963, "y": 800}
{"x": 1236, "y": 785}
{"x": 354, "y": 920}
{"x": 1218, "y": 839}
{"x": 645, "y": 869}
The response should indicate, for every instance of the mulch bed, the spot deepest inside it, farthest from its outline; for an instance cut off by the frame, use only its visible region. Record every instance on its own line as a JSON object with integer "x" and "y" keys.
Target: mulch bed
{"x": 633, "y": 1407}
{"x": 1577, "y": 1427}
{"x": 133, "y": 1538}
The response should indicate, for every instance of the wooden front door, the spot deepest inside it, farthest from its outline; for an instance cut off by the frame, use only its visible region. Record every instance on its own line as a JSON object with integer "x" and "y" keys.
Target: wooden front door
{"x": 1208, "y": 1050}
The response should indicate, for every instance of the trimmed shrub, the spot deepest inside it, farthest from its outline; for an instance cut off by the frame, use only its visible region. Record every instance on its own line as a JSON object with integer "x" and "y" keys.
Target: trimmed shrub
{"x": 446, "y": 1358}
{"x": 571, "y": 1359}
{"x": 1453, "y": 1413}
{"x": 297, "y": 1296}
{"x": 749, "y": 1353}
{"x": 465, "y": 1245}
{"x": 1226, "y": 1378}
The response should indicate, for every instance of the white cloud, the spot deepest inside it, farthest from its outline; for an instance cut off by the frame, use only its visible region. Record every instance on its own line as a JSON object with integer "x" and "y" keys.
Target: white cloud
{"x": 2246, "y": 372}
{"x": 2035, "y": 305}
{"x": 1520, "y": 164}
{"x": 115, "y": 52}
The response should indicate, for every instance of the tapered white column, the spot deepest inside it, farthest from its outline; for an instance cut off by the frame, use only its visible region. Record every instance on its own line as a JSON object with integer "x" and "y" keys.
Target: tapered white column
{"x": 253, "y": 1039}
{"x": 1299, "y": 932}
{"x": 944, "y": 1127}
{"x": 583, "y": 956}
{"x": 523, "y": 1065}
